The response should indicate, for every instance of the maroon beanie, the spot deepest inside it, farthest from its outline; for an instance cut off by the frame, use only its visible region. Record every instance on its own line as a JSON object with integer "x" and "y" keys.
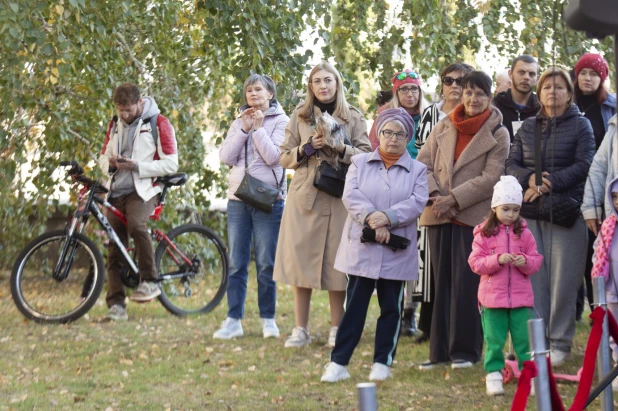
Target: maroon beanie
{"x": 594, "y": 62}
{"x": 403, "y": 77}
{"x": 399, "y": 114}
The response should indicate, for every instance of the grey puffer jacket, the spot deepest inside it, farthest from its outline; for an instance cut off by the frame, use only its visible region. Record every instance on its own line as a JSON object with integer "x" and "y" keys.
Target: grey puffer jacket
{"x": 568, "y": 147}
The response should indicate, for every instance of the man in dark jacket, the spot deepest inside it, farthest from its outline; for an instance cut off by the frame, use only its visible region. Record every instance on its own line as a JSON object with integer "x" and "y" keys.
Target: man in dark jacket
{"x": 519, "y": 102}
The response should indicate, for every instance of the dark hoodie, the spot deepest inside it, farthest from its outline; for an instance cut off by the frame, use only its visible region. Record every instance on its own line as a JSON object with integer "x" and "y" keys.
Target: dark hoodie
{"x": 511, "y": 112}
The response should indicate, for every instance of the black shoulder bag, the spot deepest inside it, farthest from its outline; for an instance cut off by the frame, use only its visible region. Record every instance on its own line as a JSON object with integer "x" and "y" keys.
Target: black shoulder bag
{"x": 327, "y": 178}
{"x": 557, "y": 208}
{"x": 257, "y": 193}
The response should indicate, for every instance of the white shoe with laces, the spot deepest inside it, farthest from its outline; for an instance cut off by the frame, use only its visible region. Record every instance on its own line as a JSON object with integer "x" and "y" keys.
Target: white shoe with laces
{"x": 334, "y": 372}
{"x": 332, "y": 336}
{"x": 269, "y": 328}
{"x": 231, "y": 328}
{"x": 299, "y": 338}
{"x": 380, "y": 372}
{"x": 493, "y": 383}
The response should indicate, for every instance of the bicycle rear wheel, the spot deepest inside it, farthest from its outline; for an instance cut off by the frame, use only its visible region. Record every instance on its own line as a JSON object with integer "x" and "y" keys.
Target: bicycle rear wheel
{"x": 192, "y": 270}
{"x": 45, "y": 299}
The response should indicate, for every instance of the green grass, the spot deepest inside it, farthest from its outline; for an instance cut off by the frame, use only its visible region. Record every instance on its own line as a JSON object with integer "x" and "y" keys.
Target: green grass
{"x": 157, "y": 361}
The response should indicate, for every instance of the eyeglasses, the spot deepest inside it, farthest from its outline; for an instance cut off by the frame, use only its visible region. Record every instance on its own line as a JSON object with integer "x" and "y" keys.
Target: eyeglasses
{"x": 318, "y": 82}
{"x": 406, "y": 90}
{"x": 404, "y": 74}
{"x": 450, "y": 80}
{"x": 389, "y": 134}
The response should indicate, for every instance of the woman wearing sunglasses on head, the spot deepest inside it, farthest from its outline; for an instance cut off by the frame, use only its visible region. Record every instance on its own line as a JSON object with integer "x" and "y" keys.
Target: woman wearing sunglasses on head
{"x": 450, "y": 92}
{"x": 407, "y": 94}
{"x": 464, "y": 155}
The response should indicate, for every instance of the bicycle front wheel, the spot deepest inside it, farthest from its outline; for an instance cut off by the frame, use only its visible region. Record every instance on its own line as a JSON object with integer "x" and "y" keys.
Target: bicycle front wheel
{"x": 192, "y": 268}
{"x": 45, "y": 297}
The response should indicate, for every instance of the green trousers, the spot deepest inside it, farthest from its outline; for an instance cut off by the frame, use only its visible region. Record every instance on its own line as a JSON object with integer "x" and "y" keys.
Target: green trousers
{"x": 497, "y": 322}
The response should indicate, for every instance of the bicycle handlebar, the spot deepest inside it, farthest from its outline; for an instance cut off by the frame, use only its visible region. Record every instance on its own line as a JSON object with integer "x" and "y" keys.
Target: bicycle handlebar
{"x": 77, "y": 173}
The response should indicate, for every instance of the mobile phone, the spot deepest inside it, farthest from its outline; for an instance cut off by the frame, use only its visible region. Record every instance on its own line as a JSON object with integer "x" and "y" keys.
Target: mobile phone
{"x": 121, "y": 160}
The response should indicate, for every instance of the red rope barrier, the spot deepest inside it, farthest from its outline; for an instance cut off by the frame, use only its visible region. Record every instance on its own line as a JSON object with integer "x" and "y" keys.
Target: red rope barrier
{"x": 585, "y": 383}
{"x": 523, "y": 386}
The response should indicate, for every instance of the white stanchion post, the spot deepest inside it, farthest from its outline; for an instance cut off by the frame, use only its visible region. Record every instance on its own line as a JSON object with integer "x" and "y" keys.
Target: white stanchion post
{"x": 536, "y": 330}
{"x": 603, "y": 356}
{"x": 367, "y": 396}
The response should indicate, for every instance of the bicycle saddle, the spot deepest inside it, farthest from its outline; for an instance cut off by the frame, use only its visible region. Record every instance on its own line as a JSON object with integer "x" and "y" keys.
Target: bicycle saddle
{"x": 176, "y": 179}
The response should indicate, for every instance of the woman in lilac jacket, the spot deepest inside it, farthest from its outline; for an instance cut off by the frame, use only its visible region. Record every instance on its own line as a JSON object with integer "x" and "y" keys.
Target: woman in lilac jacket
{"x": 385, "y": 190}
{"x": 258, "y": 132}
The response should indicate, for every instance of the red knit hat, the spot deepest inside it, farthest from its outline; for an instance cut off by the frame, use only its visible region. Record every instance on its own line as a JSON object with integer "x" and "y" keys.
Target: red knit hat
{"x": 403, "y": 77}
{"x": 595, "y": 62}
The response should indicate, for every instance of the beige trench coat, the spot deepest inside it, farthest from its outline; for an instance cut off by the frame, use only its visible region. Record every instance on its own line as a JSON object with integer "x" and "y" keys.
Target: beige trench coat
{"x": 312, "y": 220}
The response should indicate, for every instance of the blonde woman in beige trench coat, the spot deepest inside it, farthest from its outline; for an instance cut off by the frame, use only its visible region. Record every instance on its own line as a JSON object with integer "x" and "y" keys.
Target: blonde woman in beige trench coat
{"x": 312, "y": 220}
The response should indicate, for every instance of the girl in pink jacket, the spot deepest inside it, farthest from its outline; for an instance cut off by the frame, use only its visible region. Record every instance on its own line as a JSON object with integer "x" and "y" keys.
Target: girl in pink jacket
{"x": 504, "y": 254}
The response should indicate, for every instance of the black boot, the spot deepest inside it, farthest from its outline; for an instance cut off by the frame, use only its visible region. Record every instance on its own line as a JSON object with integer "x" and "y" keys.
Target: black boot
{"x": 408, "y": 323}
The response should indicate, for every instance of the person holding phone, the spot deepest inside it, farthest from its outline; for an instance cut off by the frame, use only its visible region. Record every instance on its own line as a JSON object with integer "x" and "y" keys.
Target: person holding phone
{"x": 133, "y": 159}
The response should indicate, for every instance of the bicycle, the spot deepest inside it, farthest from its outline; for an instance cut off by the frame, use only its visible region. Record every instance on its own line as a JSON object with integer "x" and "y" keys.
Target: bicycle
{"x": 59, "y": 276}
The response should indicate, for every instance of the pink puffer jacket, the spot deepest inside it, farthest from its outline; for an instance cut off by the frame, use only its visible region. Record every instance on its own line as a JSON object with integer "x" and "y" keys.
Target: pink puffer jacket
{"x": 504, "y": 286}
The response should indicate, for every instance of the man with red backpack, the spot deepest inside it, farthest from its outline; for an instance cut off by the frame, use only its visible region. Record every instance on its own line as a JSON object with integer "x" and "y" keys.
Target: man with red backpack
{"x": 140, "y": 145}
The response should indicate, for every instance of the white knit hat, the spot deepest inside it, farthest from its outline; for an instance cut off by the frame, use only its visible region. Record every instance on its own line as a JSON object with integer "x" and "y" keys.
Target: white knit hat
{"x": 507, "y": 191}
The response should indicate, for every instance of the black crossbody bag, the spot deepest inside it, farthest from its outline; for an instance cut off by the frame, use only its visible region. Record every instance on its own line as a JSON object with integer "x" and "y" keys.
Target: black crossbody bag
{"x": 257, "y": 193}
{"x": 327, "y": 178}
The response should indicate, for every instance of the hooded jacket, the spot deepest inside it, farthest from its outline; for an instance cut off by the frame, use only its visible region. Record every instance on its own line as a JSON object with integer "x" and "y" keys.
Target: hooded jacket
{"x": 504, "y": 286}
{"x": 135, "y": 141}
{"x": 511, "y": 112}
{"x": 603, "y": 170}
{"x": 262, "y": 148}
{"x": 567, "y": 146}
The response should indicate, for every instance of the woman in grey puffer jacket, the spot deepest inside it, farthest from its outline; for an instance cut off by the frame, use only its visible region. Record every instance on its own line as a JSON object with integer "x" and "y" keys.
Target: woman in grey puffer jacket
{"x": 259, "y": 131}
{"x": 568, "y": 146}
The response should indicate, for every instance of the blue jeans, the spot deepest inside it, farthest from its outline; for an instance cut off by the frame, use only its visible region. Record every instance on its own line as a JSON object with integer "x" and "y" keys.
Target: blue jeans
{"x": 245, "y": 223}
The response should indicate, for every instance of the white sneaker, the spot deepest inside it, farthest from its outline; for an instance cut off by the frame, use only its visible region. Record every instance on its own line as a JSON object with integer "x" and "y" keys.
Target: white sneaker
{"x": 334, "y": 372}
{"x": 146, "y": 292}
{"x": 269, "y": 328}
{"x": 231, "y": 328}
{"x": 558, "y": 357}
{"x": 116, "y": 313}
{"x": 299, "y": 338}
{"x": 461, "y": 364}
{"x": 332, "y": 336}
{"x": 380, "y": 372}
{"x": 493, "y": 382}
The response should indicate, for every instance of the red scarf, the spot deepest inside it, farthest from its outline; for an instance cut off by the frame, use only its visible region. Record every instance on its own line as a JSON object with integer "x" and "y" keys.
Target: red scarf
{"x": 466, "y": 127}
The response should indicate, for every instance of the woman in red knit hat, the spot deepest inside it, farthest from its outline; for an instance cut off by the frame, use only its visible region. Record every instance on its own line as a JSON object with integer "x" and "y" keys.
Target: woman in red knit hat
{"x": 598, "y": 106}
{"x": 407, "y": 93}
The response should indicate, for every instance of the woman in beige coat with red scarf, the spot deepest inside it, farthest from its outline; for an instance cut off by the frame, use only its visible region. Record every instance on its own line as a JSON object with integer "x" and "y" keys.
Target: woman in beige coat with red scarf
{"x": 465, "y": 155}
{"x": 313, "y": 220}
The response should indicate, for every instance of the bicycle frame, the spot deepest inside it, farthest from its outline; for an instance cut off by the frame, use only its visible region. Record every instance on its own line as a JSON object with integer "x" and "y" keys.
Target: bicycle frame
{"x": 89, "y": 204}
